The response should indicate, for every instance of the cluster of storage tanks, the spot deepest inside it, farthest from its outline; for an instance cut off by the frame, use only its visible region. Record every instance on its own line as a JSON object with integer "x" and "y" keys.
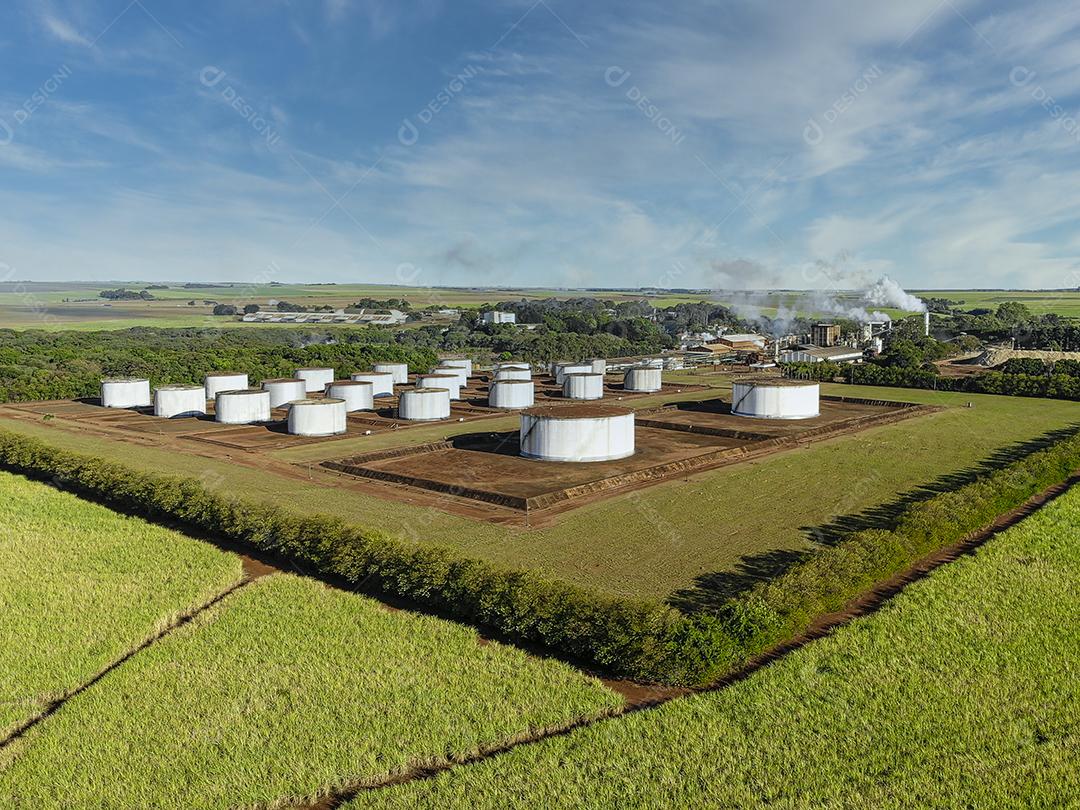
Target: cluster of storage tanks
{"x": 235, "y": 403}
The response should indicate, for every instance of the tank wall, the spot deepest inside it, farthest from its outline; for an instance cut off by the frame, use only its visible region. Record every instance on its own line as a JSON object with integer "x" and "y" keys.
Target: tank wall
{"x": 513, "y": 374}
{"x": 643, "y": 379}
{"x": 457, "y": 362}
{"x": 125, "y": 393}
{"x": 459, "y": 371}
{"x": 776, "y": 402}
{"x": 325, "y": 418}
{"x": 382, "y": 385}
{"x": 242, "y": 409}
{"x": 315, "y": 379}
{"x": 577, "y": 440}
{"x": 399, "y": 370}
{"x": 583, "y": 386}
{"x": 599, "y": 366}
{"x": 514, "y": 395}
{"x": 228, "y": 382}
{"x": 285, "y": 391}
{"x": 172, "y": 402}
{"x": 571, "y": 368}
{"x": 414, "y": 406}
{"x": 440, "y": 380}
{"x": 356, "y": 397}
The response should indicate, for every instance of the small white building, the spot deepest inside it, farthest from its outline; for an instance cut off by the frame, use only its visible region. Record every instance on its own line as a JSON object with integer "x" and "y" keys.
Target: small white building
{"x": 816, "y": 354}
{"x": 497, "y": 316}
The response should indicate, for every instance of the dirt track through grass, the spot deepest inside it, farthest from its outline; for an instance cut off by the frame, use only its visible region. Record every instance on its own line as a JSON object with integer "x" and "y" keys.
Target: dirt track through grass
{"x": 81, "y": 587}
{"x": 963, "y": 691}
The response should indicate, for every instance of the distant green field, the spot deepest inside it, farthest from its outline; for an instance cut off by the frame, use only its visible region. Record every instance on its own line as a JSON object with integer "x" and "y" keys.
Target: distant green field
{"x": 683, "y": 535}
{"x": 285, "y": 690}
{"x": 962, "y": 692}
{"x": 81, "y": 586}
{"x": 1040, "y": 302}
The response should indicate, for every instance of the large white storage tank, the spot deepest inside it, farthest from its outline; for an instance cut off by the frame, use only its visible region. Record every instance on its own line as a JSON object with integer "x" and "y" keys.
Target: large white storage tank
{"x": 317, "y": 417}
{"x": 599, "y": 365}
{"x": 458, "y": 362}
{"x": 382, "y": 382}
{"x": 179, "y": 400}
{"x": 400, "y": 371}
{"x": 224, "y": 381}
{"x": 125, "y": 392}
{"x": 577, "y": 433}
{"x": 283, "y": 390}
{"x": 512, "y": 371}
{"x": 424, "y": 404}
{"x": 643, "y": 379}
{"x": 511, "y": 394}
{"x": 583, "y": 386}
{"x": 571, "y": 368}
{"x": 776, "y": 398}
{"x": 356, "y": 394}
{"x": 242, "y": 407}
{"x": 315, "y": 379}
{"x": 451, "y": 382}
{"x": 458, "y": 371}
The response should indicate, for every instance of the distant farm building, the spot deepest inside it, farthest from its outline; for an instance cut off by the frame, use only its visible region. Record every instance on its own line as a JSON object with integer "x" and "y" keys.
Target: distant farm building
{"x": 497, "y": 316}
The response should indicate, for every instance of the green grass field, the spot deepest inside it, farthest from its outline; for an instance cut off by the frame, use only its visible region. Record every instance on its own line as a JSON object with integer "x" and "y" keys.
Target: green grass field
{"x": 81, "y": 586}
{"x": 680, "y": 535}
{"x": 1040, "y": 302}
{"x": 961, "y": 692}
{"x": 286, "y": 689}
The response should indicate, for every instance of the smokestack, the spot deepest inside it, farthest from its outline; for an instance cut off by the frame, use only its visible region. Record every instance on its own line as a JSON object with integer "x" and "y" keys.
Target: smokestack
{"x": 926, "y": 323}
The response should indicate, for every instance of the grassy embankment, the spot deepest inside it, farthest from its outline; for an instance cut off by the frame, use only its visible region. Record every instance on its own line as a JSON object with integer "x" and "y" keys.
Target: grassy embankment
{"x": 287, "y": 689}
{"x": 81, "y": 587}
{"x": 962, "y": 692}
{"x": 660, "y": 539}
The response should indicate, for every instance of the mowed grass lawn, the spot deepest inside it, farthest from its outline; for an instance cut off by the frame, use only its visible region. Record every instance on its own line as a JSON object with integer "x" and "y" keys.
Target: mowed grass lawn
{"x": 81, "y": 586}
{"x": 962, "y": 692}
{"x": 285, "y": 689}
{"x": 661, "y": 539}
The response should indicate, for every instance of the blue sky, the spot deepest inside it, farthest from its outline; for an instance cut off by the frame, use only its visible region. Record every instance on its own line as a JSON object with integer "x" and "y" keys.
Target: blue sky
{"x": 677, "y": 144}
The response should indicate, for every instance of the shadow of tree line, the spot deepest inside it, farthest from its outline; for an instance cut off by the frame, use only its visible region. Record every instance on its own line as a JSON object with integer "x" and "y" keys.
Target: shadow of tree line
{"x": 711, "y": 590}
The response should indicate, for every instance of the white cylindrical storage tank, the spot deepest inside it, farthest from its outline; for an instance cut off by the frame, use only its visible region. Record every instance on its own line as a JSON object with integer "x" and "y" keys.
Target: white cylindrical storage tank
{"x": 583, "y": 386}
{"x": 242, "y": 407}
{"x": 451, "y": 382}
{"x": 571, "y": 368}
{"x": 400, "y": 371}
{"x": 577, "y": 433}
{"x": 599, "y": 365}
{"x": 224, "y": 381}
{"x": 643, "y": 379}
{"x": 284, "y": 389}
{"x": 776, "y": 398}
{"x": 382, "y": 382}
{"x": 424, "y": 404}
{"x": 504, "y": 373}
{"x": 458, "y": 362}
{"x": 125, "y": 392}
{"x": 358, "y": 395}
{"x": 317, "y": 417}
{"x": 511, "y": 394}
{"x": 179, "y": 400}
{"x": 315, "y": 379}
{"x": 458, "y": 371}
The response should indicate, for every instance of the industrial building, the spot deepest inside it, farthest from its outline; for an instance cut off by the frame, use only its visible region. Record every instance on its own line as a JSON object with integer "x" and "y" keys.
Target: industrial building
{"x": 497, "y": 316}
{"x": 815, "y": 354}
{"x": 825, "y": 334}
{"x": 577, "y": 433}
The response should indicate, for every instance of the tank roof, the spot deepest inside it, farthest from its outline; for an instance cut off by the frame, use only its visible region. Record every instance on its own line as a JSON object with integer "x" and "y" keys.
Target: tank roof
{"x": 315, "y": 368}
{"x": 244, "y": 392}
{"x": 776, "y": 382}
{"x": 352, "y": 382}
{"x": 282, "y": 380}
{"x": 226, "y": 374}
{"x": 179, "y": 388}
{"x": 125, "y": 379}
{"x": 324, "y": 401}
{"x": 585, "y": 411}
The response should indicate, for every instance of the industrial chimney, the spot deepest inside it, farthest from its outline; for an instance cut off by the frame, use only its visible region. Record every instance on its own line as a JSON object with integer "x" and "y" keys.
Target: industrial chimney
{"x": 926, "y": 323}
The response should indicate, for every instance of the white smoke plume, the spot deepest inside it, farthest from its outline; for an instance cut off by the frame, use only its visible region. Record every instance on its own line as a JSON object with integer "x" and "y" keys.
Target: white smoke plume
{"x": 887, "y": 293}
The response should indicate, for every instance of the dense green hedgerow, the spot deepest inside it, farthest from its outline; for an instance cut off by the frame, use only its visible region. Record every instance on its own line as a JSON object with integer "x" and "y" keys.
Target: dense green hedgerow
{"x": 635, "y": 638}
